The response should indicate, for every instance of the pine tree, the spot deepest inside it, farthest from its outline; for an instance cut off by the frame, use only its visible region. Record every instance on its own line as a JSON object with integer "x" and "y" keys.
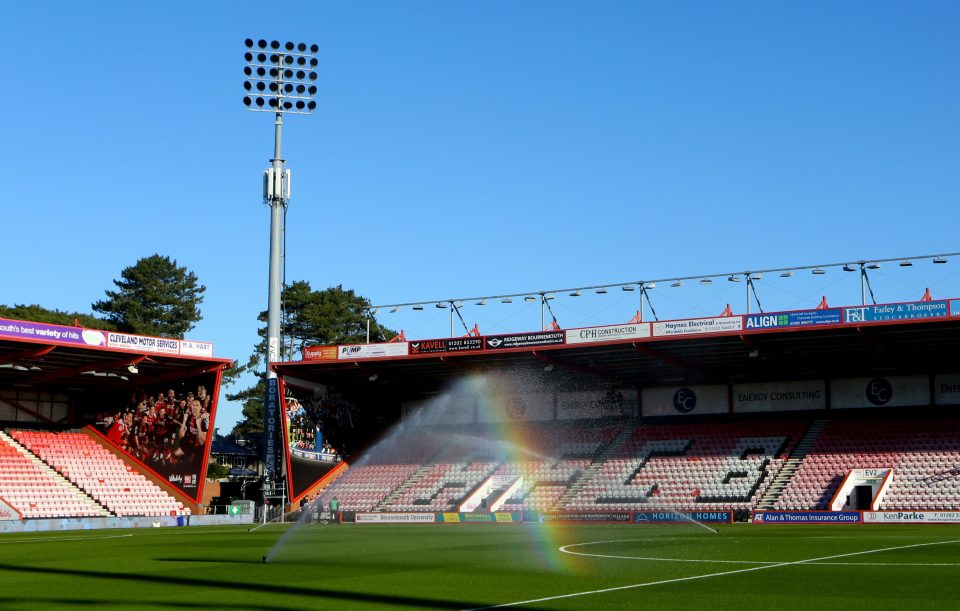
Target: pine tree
{"x": 155, "y": 297}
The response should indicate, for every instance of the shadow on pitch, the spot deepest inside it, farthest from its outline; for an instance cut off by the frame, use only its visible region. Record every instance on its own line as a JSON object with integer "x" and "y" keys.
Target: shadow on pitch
{"x": 180, "y": 581}
{"x": 97, "y": 603}
{"x": 210, "y": 560}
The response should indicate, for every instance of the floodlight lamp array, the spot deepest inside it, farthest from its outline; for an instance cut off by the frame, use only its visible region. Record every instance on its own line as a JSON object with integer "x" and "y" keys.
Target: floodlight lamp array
{"x": 280, "y": 77}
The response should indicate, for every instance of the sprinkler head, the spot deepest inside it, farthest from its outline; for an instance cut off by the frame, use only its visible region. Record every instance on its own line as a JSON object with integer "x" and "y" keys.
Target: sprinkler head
{"x": 264, "y": 559}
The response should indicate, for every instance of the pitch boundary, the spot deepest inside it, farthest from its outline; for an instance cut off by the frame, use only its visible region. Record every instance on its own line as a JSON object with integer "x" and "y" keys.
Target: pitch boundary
{"x": 820, "y": 559}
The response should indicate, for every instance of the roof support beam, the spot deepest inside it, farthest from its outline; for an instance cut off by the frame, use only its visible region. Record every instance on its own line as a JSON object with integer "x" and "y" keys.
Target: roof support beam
{"x": 68, "y": 373}
{"x": 665, "y": 358}
{"x": 179, "y": 375}
{"x": 24, "y": 355}
{"x": 576, "y": 368}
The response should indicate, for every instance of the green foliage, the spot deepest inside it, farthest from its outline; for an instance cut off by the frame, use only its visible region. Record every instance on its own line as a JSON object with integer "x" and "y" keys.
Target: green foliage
{"x": 309, "y": 318}
{"x": 252, "y": 399}
{"x": 38, "y": 313}
{"x": 155, "y": 297}
{"x": 217, "y": 471}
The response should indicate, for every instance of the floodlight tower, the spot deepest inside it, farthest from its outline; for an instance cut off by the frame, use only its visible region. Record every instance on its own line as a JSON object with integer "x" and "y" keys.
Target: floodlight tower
{"x": 279, "y": 79}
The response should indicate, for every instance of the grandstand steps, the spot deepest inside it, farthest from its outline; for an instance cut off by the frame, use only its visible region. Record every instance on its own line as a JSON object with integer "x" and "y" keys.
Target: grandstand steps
{"x": 391, "y": 498}
{"x": 53, "y": 474}
{"x": 596, "y": 464}
{"x": 782, "y": 480}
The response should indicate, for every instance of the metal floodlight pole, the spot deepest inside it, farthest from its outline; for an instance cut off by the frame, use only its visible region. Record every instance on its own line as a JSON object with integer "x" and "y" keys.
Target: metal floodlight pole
{"x": 280, "y": 77}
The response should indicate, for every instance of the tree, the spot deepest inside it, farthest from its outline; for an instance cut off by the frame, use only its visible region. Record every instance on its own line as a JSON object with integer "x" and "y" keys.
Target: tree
{"x": 217, "y": 471}
{"x": 38, "y": 313}
{"x": 155, "y": 297}
{"x": 329, "y": 317}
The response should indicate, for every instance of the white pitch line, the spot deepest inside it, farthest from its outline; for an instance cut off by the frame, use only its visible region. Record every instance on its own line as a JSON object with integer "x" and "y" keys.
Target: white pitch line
{"x": 58, "y": 539}
{"x": 708, "y": 575}
{"x": 566, "y": 549}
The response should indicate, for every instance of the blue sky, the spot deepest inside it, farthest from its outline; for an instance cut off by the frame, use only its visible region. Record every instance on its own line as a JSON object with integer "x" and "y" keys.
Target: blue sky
{"x": 464, "y": 149}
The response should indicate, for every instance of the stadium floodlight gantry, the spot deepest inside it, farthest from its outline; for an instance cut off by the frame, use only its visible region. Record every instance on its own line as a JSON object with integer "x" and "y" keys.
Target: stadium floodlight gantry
{"x": 280, "y": 78}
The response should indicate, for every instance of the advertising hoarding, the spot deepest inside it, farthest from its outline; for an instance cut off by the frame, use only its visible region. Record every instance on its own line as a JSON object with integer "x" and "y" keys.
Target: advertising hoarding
{"x": 892, "y": 391}
{"x": 22, "y": 329}
{"x": 807, "y": 517}
{"x": 911, "y": 517}
{"x": 585, "y": 516}
{"x": 895, "y": 311}
{"x": 394, "y": 518}
{"x": 524, "y": 340}
{"x": 684, "y": 517}
{"x": 608, "y": 333}
{"x": 719, "y": 324}
{"x": 596, "y": 404}
{"x": 946, "y": 389}
{"x": 320, "y": 353}
{"x": 452, "y": 344}
{"x": 371, "y": 351}
{"x": 684, "y": 400}
{"x": 517, "y": 407}
{"x": 779, "y": 396}
{"x": 800, "y": 318}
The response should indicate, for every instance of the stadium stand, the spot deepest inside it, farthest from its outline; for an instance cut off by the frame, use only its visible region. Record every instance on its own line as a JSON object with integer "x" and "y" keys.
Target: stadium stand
{"x": 607, "y": 467}
{"x": 687, "y": 467}
{"x": 37, "y": 490}
{"x": 924, "y": 454}
{"x": 100, "y": 474}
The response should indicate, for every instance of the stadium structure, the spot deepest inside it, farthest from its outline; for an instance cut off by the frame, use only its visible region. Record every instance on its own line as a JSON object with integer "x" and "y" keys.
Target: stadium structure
{"x": 827, "y": 414}
{"x": 102, "y": 428}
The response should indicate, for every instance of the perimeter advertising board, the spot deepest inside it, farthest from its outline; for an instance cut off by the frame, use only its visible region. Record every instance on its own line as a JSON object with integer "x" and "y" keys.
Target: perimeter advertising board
{"x": 946, "y": 389}
{"x": 895, "y": 311}
{"x": 911, "y": 517}
{"x": 807, "y": 517}
{"x": 675, "y": 517}
{"x": 583, "y": 516}
{"x": 684, "y": 400}
{"x": 499, "y": 517}
{"x": 693, "y": 326}
{"x": 609, "y": 333}
{"x": 394, "y": 518}
{"x": 779, "y": 396}
{"x": 893, "y": 391}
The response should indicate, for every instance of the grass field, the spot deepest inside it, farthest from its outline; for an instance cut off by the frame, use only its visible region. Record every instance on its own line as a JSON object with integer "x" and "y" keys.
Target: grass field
{"x": 476, "y": 566}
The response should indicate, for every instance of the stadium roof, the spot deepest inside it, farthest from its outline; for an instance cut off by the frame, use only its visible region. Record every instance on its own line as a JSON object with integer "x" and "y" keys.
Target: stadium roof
{"x": 829, "y": 351}
{"x": 54, "y": 362}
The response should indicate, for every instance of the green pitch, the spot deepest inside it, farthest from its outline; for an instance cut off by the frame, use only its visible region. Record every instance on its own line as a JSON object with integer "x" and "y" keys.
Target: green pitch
{"x": 475, "y": 566}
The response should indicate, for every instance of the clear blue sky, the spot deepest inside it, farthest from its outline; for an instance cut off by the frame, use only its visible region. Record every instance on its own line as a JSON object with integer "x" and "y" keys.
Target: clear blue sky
{"x": 486, "y": 147}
